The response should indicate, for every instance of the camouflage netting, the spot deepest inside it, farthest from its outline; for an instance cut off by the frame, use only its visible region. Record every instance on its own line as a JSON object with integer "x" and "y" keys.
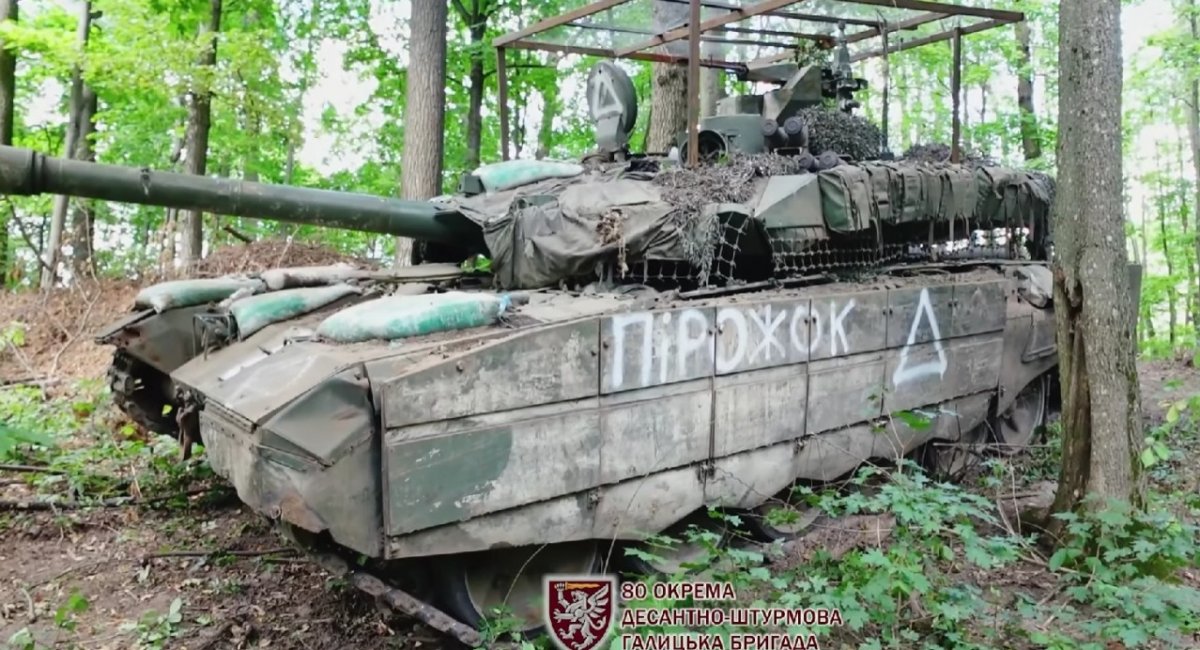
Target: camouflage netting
{"x": 940, "y": 153}
{"x": 848, "y": 135}
{"x": 690, "y": 190}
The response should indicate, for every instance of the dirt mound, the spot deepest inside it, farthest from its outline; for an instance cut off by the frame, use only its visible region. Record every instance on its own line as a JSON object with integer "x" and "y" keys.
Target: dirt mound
{"x": 48, "y": 335}
{"x": 260, "y": 256}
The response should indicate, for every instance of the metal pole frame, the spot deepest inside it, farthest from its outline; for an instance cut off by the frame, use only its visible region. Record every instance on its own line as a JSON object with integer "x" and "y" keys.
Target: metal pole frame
{"x": 695, "y": 28}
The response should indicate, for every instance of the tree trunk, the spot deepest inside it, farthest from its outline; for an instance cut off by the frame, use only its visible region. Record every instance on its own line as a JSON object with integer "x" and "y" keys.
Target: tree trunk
{"x": 550, "y": 108}
{"x": 1172, "y": 322}
{"x": 199, "y": 124}
{"x": 668, "y": 95}
{"x": 83, "y": 220}
{"x": 1029, "y": 127}
{"x": 1147, "y": 326}
{"x": 424, "y": 110}
{"x": 8, "y": 93}
{"x": 712, "y": 80}
{"x": 74, "y": 127}
{"x": 1102, "y": 427}
{"x": 1184, "y": 211}
{"x": 476, "y": 17}
{"x": 1194, "y": 137}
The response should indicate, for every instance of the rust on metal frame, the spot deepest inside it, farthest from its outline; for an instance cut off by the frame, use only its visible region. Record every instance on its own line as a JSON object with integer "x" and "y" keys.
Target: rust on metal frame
{"x": 555, "y": 21}
{"x": 693, "y": 85}
{"x": 956, "y": 99}
{"x": 741, "y": 13}
{"x": 855, "y": 37}
{"x": 695, "y": 28}
{"x": 652, "y": 57}
{"x": 932, "y": 38}
{"x": 814, "y": 18}
{"x": 945, "y": 8}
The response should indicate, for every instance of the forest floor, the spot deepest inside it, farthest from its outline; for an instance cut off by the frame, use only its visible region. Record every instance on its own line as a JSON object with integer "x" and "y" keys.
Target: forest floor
{"x": 198, "y": 571}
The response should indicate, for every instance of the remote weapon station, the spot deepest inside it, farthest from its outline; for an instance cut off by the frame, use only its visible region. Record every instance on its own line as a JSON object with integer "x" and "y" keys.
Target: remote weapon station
{"x": 654, "y": 333}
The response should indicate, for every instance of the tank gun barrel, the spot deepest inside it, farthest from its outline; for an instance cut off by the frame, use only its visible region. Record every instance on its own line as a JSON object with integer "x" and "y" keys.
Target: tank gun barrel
{"x": 27, "y": 172}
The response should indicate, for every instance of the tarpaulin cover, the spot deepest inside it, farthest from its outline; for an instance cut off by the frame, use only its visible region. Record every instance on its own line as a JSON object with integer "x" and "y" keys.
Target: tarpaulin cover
{"x": 541, "y": 233}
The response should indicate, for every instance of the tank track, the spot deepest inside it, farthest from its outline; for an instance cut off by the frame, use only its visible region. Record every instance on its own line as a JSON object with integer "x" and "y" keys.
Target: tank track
{"x": 137, "y": 392}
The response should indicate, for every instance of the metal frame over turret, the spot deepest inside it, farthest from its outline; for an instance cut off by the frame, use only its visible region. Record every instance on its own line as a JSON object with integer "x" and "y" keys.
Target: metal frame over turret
{"x": 772, "y": 35}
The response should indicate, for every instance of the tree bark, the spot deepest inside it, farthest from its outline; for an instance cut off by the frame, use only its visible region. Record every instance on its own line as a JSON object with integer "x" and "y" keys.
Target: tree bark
{"x": 1194, "y": 137}
{"x": 199, "y": 125}
{"x": 83, "y": 218}
{"x": 712, "y": 80}
{"x": 58, "y": 218}
{"x": 476, "y": 17}
{"x": 424, "y": 110}
{"x": 8, "y": 93}
{"x": 1030, "y": 140}
{"x": 668, "y": 94}
{"x": 1102, "y": 428}
{"x": 550, "y": 108}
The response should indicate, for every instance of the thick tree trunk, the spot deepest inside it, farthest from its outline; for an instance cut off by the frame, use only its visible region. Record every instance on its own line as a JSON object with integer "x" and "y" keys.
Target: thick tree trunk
{"x": 424, "y": 110}
{"x": 1102, "y": 428}
{"x": 668, "y": 94}
{"x": 58, "y": 218}
{"x": 1030, "y": 140}
{"x": 8, "y": 93}
{"x": 199, "y": 125}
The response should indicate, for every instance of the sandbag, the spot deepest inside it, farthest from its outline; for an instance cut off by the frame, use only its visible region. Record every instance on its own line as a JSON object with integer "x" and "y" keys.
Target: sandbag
{"x": 256, "y": 312}
{"x": 505, "y": 175}
{"x": 186, "y": 293}
{"x": 397, "y": 317}
{"x": 846, "y": 198}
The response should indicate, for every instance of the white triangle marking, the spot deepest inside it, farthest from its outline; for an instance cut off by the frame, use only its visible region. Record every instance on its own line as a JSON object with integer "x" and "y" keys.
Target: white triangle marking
{"x": 903, "y": 373}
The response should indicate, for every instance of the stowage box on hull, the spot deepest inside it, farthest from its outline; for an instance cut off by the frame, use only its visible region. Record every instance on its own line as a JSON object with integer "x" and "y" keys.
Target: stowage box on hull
{"x": 610, "y": 419}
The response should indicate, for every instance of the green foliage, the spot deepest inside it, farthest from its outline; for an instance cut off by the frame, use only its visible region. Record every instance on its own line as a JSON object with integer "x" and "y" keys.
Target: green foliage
{"x": 64, "y": 621}
{"x": 154, "y": 631}
{"x": 87, "y": 461}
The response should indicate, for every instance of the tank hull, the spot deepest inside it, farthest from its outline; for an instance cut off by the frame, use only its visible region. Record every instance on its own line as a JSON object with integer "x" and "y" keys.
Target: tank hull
{"x": 603, "y": 418}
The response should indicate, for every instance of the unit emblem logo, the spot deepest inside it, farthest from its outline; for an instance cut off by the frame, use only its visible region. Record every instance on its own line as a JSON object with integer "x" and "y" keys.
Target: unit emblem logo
{"x": 580, "y": 610}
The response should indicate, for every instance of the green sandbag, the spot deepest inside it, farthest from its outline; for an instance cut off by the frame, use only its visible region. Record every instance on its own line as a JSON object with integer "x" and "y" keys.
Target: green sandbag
{"x": 185, "y": 293}
{"x": 256, "y": 312}
{"x": 403, "y": 316}
{"x": 514, "y": 173}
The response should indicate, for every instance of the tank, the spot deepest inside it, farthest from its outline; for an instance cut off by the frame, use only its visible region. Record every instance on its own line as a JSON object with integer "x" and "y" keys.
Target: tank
{"x": 645, "y": 341}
